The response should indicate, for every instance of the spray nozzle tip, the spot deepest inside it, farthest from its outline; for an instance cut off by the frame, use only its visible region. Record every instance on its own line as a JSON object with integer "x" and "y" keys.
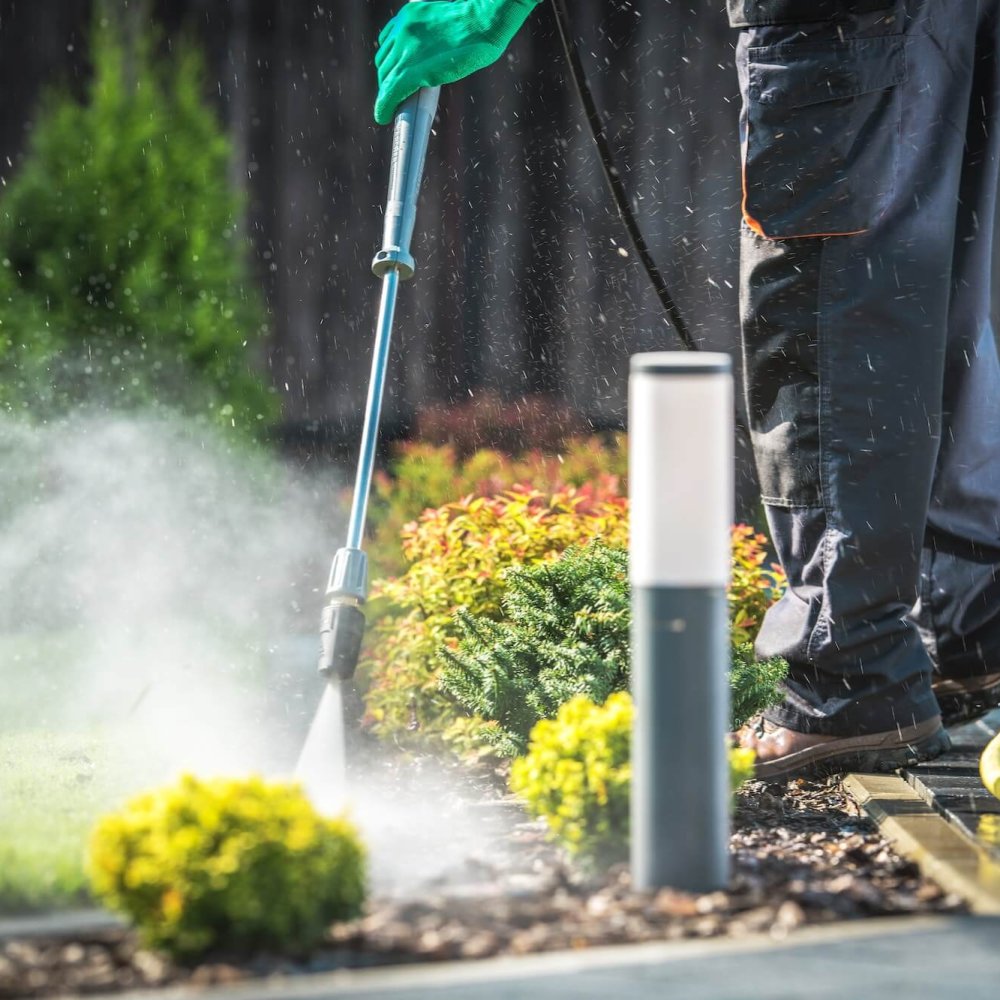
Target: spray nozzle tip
{"x": 341, "y": 631}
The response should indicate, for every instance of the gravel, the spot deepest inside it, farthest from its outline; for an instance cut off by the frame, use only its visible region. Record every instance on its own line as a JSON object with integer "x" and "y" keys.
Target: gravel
{"x": 802, "y": 855}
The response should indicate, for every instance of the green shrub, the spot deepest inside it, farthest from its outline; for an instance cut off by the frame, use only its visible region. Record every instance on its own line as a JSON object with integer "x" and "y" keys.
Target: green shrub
{"x": 577, "y": 774}
{"x": 563, "y": 631}
{"x": 423, "y": 475}
{"x": 753, "y": 684}
{"x": 236, "y": 865}
{"x": 458, "y": 555}
{"x": 123, "y": 278}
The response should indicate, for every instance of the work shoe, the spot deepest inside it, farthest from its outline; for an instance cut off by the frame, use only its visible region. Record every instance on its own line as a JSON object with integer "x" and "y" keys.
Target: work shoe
{"x": 964, "y": 699}
{"x": 784, "y": 753}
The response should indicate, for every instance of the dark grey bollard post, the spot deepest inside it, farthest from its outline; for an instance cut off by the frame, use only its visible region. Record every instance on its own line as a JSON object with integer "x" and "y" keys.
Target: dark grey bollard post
{"x": 681, "y": 509}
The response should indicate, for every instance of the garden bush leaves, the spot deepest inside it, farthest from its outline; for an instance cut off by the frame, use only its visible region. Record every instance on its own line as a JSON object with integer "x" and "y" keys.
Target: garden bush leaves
{"x": 458, "y": 555}
{"x": 240, "y": 864}
{"x": 563, "y": 632}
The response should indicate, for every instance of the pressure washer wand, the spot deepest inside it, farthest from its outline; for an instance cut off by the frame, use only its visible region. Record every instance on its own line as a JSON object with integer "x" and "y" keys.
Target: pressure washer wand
{"x": 343, "y": 622}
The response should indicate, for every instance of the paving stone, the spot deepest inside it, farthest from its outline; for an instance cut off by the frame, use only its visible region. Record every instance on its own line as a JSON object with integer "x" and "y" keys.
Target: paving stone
{"x": 973, "y": 824}
{"x": 952, "y": 763}
{"x": 951, "y": 784}
{"x": 977, "y": 805}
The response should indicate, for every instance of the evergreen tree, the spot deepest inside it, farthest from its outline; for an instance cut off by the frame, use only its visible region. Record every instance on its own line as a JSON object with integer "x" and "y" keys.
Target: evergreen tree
{"x": 123, "y": 280}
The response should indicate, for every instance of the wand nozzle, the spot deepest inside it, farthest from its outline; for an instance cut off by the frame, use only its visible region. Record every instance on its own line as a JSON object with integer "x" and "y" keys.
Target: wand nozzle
{"x": 341, "y": 630}
{"x": 342, "y": 625}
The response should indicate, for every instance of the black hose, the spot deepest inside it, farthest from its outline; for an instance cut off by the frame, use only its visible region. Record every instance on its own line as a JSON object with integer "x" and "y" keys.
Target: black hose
{"x": 613, "y": 176}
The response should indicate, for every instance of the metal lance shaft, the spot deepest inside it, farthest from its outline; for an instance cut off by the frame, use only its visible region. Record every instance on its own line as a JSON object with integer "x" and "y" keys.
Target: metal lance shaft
{"x": 343, "y": 622}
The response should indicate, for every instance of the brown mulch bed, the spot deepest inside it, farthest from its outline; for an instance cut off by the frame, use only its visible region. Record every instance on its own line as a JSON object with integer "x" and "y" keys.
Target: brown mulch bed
{"x": 801, "y": 855}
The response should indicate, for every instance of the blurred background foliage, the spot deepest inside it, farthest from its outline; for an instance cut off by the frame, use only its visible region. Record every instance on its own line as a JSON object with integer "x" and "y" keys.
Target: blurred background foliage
{"x": 124, "y": 280}
{"x": 524, "y": 285}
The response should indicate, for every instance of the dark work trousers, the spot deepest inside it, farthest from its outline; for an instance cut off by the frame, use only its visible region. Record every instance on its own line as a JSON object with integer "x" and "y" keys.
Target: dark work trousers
{"x": 870, "y": 147}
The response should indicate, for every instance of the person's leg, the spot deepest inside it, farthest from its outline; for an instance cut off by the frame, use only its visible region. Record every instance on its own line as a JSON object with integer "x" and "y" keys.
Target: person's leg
{"x": 959, "y": 608}
{"x": 853, "y": 141}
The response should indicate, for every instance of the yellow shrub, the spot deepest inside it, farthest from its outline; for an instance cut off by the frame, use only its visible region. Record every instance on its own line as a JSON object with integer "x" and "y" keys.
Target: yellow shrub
{"x": 233, "y": 864}
{"x": 741, "y": 762}
{"x": 577, "y": 773}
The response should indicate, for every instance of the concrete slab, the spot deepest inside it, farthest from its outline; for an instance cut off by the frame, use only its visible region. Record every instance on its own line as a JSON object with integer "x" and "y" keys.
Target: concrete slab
{"x": 919, "y": 959}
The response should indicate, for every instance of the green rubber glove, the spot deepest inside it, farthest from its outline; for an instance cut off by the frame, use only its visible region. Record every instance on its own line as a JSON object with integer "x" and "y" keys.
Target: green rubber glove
{"x": 440, "y": 41}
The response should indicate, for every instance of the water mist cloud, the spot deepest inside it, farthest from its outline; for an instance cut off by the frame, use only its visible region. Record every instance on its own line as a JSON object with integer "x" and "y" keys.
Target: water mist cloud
{"x": 148, "y": 571}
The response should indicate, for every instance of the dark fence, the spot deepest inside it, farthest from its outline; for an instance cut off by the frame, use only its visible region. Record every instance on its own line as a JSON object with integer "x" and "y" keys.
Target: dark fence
{"x": 522, "y": 281}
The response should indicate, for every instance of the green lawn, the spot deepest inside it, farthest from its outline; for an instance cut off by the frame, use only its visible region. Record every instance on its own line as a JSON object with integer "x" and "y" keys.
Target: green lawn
{"x": 60, "y": 769}
{"x": 52, "y": 787}
{"x": 54, "y": 781}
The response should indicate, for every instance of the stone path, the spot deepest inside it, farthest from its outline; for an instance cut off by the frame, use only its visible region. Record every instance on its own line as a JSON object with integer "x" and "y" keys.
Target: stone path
{"x": 939, "y": 816}
{"x": 952, "y": 785}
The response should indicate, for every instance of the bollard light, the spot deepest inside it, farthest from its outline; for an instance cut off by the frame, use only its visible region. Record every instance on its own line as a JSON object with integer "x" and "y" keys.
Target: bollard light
{"x": 681, "y": 509}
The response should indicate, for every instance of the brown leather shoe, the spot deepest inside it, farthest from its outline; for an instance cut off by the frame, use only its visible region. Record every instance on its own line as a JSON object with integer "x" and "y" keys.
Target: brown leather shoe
{"x": 964, "y": 699}
{"x": 784, "y": 753}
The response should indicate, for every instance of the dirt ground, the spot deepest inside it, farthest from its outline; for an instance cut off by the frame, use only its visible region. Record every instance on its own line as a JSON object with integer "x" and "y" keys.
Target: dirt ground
{"x": 801, "y": 855}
